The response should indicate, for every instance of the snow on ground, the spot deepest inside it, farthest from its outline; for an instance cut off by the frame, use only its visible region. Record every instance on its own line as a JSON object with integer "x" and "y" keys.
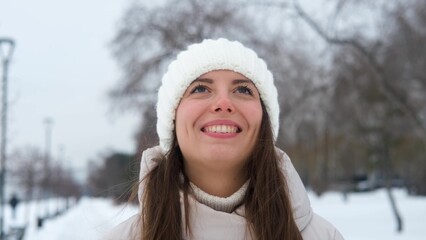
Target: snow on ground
{"x": 363, "y": 216}
{"x": 368, "y": 216}
{"x": 88, "y": 220}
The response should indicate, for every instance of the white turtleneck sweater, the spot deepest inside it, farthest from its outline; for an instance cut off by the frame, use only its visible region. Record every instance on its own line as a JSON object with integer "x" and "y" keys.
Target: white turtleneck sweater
{"x": 227, "y": 204}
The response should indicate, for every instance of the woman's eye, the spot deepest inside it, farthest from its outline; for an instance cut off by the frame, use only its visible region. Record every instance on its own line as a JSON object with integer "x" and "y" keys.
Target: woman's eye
{"x": 244, "y": 90}
{"x": 199, "y": 89}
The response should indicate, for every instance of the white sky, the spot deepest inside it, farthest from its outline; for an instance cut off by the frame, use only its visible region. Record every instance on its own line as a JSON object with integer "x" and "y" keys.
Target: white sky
{"x": 62, "y": 68}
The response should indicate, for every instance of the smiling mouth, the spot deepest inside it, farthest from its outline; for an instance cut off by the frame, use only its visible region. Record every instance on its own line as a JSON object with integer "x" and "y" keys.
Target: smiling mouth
{"x": 224, "y": 129}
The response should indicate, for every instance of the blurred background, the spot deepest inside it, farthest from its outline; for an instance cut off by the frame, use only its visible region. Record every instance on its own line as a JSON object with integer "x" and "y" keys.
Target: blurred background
{"x": 79, "y": 81}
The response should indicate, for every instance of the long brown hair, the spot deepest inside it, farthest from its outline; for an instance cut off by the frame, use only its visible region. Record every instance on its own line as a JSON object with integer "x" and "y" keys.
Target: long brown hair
{"x": 267, "y": 205}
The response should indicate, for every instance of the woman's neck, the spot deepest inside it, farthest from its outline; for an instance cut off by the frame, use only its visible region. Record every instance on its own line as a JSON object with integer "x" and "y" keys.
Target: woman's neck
{"x": 217, "y": 183}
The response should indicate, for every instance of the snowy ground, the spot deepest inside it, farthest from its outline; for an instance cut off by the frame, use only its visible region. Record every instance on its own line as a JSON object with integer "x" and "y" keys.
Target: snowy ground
{"x": 364, "y": 216}
{"x": 87, "y": 220}
{"x": 368, "y": 216}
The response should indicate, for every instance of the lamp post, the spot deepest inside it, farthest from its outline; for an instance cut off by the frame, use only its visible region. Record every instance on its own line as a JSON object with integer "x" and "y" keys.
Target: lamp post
{"x": 7, "y": 46}
{"x": 48, "y": 123}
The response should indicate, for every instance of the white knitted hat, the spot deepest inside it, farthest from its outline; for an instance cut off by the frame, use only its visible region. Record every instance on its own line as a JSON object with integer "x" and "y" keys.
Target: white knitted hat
{"x": 200, "y": 58}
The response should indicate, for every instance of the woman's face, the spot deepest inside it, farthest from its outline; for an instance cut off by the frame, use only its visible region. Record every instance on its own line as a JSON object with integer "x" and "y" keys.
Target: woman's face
{"x": 218, "y": 121}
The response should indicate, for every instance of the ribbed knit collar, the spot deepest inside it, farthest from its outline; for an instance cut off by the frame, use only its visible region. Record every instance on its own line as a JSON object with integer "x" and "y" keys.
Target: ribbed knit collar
{"x": 227, "y": 204}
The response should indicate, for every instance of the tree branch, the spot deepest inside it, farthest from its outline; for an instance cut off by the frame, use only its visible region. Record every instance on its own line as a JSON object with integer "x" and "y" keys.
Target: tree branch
{"x": 389, "y": 91}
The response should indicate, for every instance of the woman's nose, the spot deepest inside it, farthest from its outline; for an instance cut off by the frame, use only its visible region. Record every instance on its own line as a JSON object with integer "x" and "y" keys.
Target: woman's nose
{"x": 223, "y": 104}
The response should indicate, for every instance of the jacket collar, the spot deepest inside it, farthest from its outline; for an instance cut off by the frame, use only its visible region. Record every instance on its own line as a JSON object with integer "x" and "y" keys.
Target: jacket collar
{"x": 301, "y": 205}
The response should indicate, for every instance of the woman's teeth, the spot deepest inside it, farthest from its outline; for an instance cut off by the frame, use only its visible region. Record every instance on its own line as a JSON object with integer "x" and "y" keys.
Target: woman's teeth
{"x": 221, "y": 129}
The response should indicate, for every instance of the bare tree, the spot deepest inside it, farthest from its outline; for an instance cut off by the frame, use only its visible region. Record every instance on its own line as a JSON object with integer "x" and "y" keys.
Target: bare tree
{"x": 404, "y": 58}
{"x": 26, "y": 169}
{"x": 382, "y": 73}
{"x": 150, "y": 36}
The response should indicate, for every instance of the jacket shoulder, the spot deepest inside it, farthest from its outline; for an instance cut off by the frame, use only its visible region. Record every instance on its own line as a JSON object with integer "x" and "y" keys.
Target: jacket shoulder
{"x": 319, "y": 228}
{"x": 127, "y": 230}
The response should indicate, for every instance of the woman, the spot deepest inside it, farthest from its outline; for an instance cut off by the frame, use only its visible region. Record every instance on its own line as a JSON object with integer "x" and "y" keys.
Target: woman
{"x": 217, "y": 173}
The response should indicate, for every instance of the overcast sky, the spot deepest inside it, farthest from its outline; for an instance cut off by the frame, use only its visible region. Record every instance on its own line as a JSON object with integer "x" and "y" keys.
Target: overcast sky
{"x": 62, "y": 68}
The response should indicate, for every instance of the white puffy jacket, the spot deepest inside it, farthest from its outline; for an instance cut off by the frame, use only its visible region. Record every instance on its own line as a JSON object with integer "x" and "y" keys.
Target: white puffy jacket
{"x": 209, "y": 224}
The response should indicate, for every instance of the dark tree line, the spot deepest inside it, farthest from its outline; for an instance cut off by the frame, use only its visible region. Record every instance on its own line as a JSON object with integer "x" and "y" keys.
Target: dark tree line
{"x": 114, "y": 176}
{"x": 36, "y": 176}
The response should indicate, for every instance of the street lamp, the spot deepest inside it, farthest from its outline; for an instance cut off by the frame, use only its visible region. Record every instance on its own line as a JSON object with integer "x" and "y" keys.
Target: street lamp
{"x": 7, "y": 46}
{"x": 48, "y": 123}
{"x": 46, "y": 182}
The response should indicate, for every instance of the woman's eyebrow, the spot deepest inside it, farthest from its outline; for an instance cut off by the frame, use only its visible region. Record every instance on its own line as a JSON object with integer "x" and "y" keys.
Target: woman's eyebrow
{"x": 239, "y": 81}
{"x": 203, "y": 80}
{"x": 234, "y": 82}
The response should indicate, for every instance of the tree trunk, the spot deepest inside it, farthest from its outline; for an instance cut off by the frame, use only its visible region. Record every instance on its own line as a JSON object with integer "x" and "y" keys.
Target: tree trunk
{"x": 387, "y": 168}
{"x": 399, "y": 226}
